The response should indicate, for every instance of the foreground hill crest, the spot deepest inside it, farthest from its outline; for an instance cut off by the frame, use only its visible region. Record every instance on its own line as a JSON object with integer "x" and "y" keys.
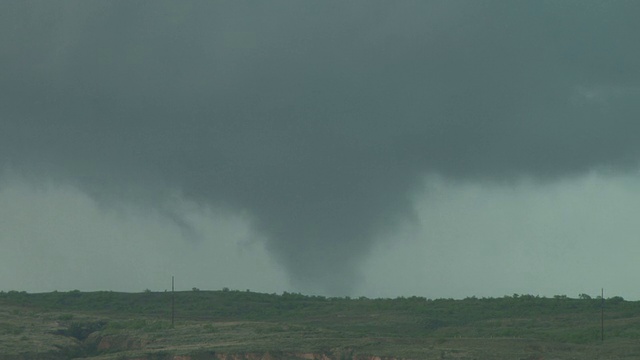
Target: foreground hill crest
{"x": 246, "y": 325}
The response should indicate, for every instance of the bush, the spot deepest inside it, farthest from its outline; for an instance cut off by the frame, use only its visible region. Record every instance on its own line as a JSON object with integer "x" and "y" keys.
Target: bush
{"x": 81, "y": 330}
{"x": 65, "y": 317}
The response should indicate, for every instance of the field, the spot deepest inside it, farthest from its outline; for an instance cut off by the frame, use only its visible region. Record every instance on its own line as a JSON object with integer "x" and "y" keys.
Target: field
{"x": 230, "y": 324}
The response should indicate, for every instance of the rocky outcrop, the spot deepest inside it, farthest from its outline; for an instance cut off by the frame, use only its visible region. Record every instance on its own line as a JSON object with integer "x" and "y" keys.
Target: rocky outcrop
{"x": 119, "y": 343}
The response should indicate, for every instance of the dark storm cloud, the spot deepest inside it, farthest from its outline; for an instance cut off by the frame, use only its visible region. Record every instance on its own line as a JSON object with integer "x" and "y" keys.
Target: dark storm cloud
{"x": 319, "y": 119}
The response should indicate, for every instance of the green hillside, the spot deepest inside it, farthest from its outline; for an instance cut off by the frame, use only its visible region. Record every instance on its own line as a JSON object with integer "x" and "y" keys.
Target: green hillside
{"x": 247, "y": 325}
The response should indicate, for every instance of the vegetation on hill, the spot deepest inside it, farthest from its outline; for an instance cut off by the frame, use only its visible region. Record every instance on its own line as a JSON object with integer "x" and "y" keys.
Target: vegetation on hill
{"x": 127, "y": 325}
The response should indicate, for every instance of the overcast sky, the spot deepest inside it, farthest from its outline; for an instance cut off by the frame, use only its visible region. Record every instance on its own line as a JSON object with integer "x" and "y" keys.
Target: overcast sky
{"x": 378, "y": 148}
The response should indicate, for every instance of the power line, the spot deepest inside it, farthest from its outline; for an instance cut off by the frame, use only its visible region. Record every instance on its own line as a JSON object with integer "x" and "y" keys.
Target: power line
{"x": 173, "y": 303}
{"x": 602, "y": 315}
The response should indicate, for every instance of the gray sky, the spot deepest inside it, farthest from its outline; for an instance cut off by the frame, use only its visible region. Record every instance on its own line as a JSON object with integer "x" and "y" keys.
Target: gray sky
{"x": 435, "y": 148}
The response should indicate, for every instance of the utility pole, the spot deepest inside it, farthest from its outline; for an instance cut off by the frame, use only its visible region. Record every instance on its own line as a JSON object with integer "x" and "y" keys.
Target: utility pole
{"x": 602, "y": 315}
{"x": 173, "y": 303}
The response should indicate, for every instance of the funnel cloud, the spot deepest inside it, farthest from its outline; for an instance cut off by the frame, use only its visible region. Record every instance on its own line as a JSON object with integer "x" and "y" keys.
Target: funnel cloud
{"x": 318, "y": 121}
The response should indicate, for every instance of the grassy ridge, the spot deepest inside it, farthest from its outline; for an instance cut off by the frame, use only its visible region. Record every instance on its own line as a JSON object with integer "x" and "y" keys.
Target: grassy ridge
{"x": 242, "y": 321}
